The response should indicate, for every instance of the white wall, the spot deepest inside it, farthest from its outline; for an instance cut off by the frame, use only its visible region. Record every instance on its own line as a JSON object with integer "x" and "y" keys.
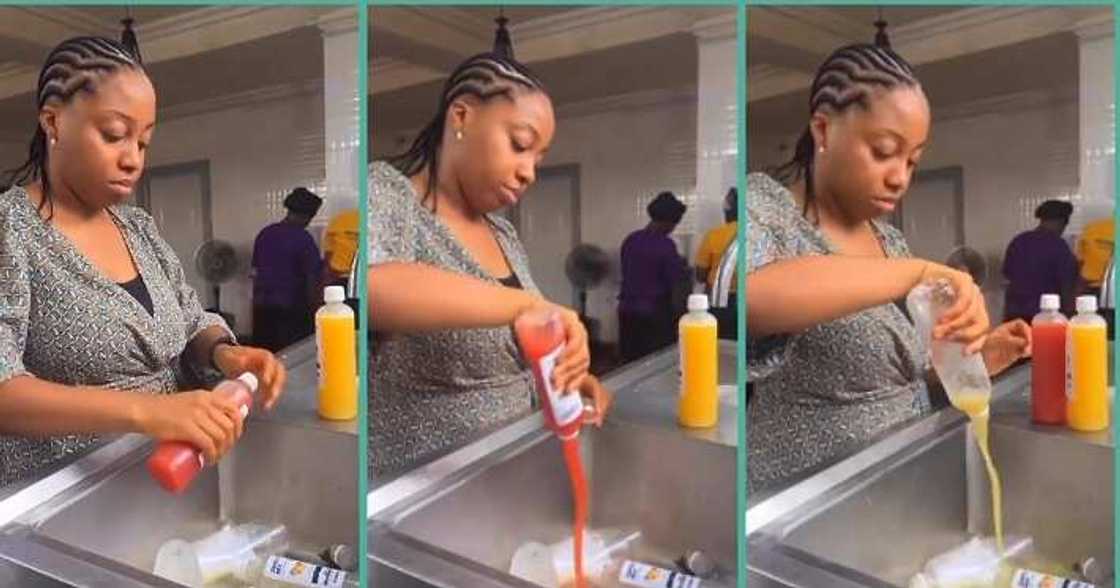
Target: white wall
{"x": 257, "y": 153}
{"x": 1012, "y": 161}
{"x": 626, "y": 155}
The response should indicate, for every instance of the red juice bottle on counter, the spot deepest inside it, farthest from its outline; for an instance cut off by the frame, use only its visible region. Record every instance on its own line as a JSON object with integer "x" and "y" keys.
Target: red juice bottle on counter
{"x": 541, "y": 337}
{"x": 1048, "y": 363}
{"x": 174, "y": 464}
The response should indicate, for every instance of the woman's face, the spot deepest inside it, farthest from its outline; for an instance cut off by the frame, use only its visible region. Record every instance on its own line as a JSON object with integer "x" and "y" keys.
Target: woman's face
{"x": 502, "y": 143}
{"x": 102, "y": 138}
{"x": 870, "y": 154}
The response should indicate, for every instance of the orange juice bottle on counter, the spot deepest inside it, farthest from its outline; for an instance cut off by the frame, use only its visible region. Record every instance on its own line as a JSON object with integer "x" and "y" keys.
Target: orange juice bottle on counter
{"x": 1087, "y": 350}
{"x": 338, "y": 357}
{"x": 699, "y": 345}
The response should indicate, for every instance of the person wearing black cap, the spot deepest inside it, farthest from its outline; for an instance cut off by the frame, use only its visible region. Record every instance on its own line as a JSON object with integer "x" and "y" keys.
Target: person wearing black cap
{"x": 1040, "y": 262}
{"x": 286, "y": 268}
{"x": 651, "y": 270}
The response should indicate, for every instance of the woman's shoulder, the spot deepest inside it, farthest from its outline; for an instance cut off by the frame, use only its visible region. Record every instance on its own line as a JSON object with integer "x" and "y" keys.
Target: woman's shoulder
{"x": 387, "y": 182}
{"x": 135, "y": 218}
{"x": 17, "y": 213}
{"x": 769, "y": 202}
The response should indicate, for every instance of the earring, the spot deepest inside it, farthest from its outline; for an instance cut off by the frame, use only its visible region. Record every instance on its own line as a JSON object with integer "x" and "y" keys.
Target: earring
{"x": 821, "y": 149}
{"x": 458, "y": 134}
{"x": 53, "y": 141}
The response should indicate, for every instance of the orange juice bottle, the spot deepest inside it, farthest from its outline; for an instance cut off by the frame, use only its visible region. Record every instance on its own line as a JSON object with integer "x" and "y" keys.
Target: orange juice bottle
{"x": 338, "y": 357}
{"x": 1088, "y": 368}
{"x": 699, "y": 402}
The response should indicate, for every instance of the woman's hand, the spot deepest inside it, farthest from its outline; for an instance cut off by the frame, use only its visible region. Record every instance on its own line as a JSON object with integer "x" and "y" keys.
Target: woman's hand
{"x": 1006, "y": 344}
{"x": 601, "y": 400}
{"x": 234, "y": 360}
{"x": 967, "y": 320}
{"x": 209, "y": 421}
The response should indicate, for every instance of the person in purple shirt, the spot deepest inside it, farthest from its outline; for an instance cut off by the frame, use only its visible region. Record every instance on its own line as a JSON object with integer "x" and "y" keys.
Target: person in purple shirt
{"x": 1040, "y": 262}
{"x": 651, "y": 271}
{"x": 286, "y": 268}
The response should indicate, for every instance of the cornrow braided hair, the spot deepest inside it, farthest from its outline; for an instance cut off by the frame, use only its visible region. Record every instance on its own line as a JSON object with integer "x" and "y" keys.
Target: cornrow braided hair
{"x": 485, "y": 76}
{"x": 75, "y": 65}
{"x": 846, "y": 78}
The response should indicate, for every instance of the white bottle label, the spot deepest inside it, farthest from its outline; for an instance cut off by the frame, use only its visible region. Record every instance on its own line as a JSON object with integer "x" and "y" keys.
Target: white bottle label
{"x": 298, "y": 573}
{"x": 643, "y": 575}
{"x": 565, "y": 407}
{"x": 1029, "y": 579}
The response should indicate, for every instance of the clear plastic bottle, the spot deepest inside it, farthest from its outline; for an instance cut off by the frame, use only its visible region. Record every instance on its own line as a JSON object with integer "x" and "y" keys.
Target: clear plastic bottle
{"x": 965, "y": 377}
{"x": 175, "y": 464}
{"x": 1088, "y": 368}
{"x": 628, "y": 573}
{"x": 699, "y": 348}
{"x": 1048, "y": 362}
{"x": 338, "y": 357}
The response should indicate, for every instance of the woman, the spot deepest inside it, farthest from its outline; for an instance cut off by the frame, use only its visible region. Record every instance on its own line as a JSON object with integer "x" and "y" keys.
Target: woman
{"x": 834, "y": 361}
{"x": 97, "y": 323}
{"x": 448, "y": 275}
{"x": 651, "y": 271}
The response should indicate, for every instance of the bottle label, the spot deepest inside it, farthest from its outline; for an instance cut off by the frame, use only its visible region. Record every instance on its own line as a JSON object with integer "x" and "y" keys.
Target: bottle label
{"x": 1029, "y": 579}
{"x": 565, "y": 408}
{"x": 298, "y": 573}
{"x": 643, "y": 575}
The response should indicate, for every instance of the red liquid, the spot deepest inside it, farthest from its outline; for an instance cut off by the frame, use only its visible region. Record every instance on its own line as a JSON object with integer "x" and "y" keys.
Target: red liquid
{"x": 579, "y": 496}
{"x": 174, "y": 464}
{"x": 1048, "y": 374}
{"x": 541, "y": 334}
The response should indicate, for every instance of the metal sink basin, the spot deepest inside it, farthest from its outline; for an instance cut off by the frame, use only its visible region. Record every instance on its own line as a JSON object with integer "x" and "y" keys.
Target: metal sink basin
{"x": 105, "y": 528}
{"x": 875, "y": 519}
{"x": 457, "y": 521}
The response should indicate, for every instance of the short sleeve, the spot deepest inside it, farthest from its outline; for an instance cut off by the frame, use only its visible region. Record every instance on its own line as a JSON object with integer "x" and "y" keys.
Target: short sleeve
{"x": 393, "y": 217}
{"x": 768, "y": 241}
{"x": 15, "y": 301}
{"x": 195, "y": 318}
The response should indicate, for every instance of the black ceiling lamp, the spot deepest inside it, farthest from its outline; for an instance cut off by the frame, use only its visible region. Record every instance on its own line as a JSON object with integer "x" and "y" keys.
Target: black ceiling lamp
{"x": 503, "y": 44}
{"x": 881, "y": 39}
{"x": 128, "y": 36}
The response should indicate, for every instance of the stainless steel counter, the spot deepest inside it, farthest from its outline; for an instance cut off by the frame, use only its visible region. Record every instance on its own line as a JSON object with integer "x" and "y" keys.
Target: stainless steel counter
{"x": 99, "y": 520}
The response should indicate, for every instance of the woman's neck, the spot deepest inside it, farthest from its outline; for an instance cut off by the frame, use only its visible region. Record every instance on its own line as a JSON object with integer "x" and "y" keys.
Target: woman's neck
{"x": 447, "y": 193}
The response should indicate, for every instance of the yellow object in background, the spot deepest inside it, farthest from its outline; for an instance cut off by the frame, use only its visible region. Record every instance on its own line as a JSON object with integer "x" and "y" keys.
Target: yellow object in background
{"x": 1087, "y": 409}
{"x": 338, "y": 357}
{"x": 1094, "y": 249}
{"x": 712, "y": 248}
{"x": 699, "y": 348}
{"x": 340, "y": 241}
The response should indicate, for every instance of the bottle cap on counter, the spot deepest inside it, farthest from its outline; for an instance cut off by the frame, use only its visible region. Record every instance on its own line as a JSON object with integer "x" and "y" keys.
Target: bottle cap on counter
{"x": 1086, "y": 304}
{"x": 697, "y": 302}
{"x": 334, "y": 294}
{"x": 1050, "y": 302}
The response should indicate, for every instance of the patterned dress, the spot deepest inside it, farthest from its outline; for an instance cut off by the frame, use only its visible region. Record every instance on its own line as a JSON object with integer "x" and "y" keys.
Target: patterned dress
{"x": 430, "y": 393}
{"x": 63, "y": 321}
{"x": 825, "y": 392}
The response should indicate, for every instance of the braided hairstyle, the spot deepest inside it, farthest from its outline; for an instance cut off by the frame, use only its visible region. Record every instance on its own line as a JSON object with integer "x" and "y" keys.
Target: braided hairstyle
{"x": 846, "y": 78}
{"x": 75, "y": 65}
{"x": 485, "y": 76}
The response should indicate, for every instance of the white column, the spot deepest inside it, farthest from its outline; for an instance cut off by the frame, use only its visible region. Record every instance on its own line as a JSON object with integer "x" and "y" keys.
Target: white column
{"x": 717, "y": 121}
{"x": 1097, "y": 113}
{"x": 340, "y": 112}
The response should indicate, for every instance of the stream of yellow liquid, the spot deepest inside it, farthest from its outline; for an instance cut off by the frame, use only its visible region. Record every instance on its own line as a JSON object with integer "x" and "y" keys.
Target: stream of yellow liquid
{"x": 975, "y": 405}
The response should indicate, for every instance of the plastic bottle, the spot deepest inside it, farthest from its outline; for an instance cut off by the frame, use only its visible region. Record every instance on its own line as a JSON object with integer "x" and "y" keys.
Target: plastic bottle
{"x": 174, "y": 464}
{"x": 541, "y": 337}
{"x": 229, "y": 552}
{"x": 338, "y": 357}
{"x": 964, "y": 377}
{"x": 629, "y": 573}
{"x": 281, "y": 572}
{"x": 1087, "y": 349}
{"x": 1048, "y": 364}
{"x": 699, "y": 348}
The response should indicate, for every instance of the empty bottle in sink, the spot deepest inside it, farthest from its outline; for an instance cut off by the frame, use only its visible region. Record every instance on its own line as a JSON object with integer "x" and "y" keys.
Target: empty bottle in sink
{"x": 174, "y": 464}
{"x": 964, "y": 376}
{"x": 228, "y": 553}
{"x": 281, "y": 572}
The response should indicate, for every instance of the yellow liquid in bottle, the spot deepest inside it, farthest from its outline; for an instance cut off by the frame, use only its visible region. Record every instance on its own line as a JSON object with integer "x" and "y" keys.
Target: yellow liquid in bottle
{"x": 975, "y": 405}
{"x": 1087, "y": 409}
{"x": 338, "y": 379}
{"x": 699, "y": 402}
